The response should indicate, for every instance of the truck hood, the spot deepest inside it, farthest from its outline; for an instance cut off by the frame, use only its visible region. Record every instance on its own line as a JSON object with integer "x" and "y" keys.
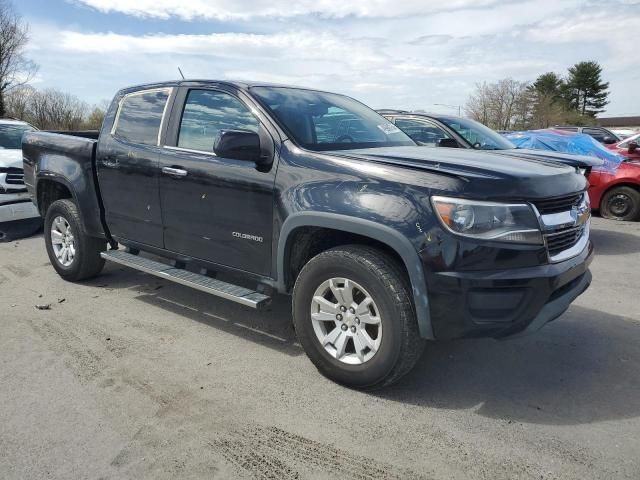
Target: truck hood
{"x": 10, "y": 158}
{"x": 581, "y": 161}
{"x": 489, "y": 174}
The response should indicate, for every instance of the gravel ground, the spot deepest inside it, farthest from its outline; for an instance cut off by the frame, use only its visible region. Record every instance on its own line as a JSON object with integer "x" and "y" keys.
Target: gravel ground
{"x": 128, "y": 376}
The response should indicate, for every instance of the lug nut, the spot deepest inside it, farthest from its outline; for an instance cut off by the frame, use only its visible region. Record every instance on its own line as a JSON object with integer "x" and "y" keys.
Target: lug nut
{"x": 343, "y": 308}
{"x": 344, "y": 326}
{"x": 357, "y": 321}
{"x": 352, "y": 310}
{"x": 339, "y": 317}
{"x": 353, "y": 329}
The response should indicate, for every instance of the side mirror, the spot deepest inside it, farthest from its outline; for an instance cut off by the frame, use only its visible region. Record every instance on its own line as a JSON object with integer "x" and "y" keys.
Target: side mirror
{"x": 448, "y": 143}
{"x": 237, "y": 144}
{"x": 633, "y": 146}
{"x": 608, "y": 140}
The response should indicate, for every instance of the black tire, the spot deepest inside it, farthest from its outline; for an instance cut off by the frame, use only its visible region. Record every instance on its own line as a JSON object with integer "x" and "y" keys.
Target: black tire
{"x": 379, "y": 274}
{"x": 87, "y": 262}
{"x": 621, "y": 203}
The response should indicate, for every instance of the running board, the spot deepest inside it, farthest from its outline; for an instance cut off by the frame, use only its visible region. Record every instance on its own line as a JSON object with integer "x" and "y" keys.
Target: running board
{"x": 203, "y": 283}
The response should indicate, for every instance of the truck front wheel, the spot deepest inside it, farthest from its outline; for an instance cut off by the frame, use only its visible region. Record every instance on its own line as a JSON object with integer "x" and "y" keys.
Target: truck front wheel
{"x": 354, "y": 317}
{"x": 74, "y": 255}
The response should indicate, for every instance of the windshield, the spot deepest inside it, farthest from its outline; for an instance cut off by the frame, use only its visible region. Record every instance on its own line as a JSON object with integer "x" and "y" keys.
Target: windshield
{"x": 479, "y": 136}
{"x": 633, "y": 138}
{"x": 11, "y": 135}
{"x": 326, "y": 121}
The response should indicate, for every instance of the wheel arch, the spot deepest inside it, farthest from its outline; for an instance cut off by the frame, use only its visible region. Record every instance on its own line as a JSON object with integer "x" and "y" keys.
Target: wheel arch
{"x": 382, "y": 234}
{"x": 51, "y": 188}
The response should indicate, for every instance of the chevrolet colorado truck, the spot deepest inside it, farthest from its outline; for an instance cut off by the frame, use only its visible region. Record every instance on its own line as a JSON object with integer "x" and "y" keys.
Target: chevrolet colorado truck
{"x": 381, "y": 243}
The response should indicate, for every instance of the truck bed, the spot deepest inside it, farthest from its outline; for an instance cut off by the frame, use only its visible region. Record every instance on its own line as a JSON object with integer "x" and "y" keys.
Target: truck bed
{"x": 68, "y": 158}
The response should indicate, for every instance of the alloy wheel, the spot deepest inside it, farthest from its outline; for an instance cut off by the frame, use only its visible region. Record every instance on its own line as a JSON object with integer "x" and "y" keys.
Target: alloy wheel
{"x": 346, "y": 321}
{"x": 63, "y": 241}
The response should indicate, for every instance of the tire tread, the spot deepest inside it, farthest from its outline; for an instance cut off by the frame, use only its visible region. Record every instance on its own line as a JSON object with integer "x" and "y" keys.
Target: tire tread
{"x": 393, "y": 276}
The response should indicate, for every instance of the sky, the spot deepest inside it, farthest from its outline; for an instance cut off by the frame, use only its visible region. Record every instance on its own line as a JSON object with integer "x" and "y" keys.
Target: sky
{"x": 409, "y": 54}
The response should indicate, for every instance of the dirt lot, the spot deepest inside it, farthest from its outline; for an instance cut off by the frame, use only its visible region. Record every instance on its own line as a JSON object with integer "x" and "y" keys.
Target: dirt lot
{"x": 127, "y": 376}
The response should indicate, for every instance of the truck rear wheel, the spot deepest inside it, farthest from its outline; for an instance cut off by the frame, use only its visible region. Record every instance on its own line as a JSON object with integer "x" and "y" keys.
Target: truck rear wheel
{"x": 74, "y": 255}
{"x": 354, "y": 317}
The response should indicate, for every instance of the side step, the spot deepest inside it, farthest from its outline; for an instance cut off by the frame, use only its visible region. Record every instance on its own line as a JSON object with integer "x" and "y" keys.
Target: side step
{"x": 203, "y": 283}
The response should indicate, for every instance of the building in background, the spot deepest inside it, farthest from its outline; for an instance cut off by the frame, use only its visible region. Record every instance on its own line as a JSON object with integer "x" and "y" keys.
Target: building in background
{"x": 622, "y": 126}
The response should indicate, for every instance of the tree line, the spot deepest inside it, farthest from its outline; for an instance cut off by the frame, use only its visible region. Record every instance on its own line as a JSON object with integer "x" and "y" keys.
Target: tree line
{"x": 47, "y": 109}
{"x": 550, "y": 100}
{"x": 52, "y": 109}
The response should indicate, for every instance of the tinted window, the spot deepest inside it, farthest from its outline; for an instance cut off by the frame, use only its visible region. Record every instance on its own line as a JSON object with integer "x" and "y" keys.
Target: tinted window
{"x": 425, "y": 133}
{"x": 326, "y": 121}
{"x": 140, "y": 117}
{"x": 595, "y": 133}
{"x": 206, "y": 112}
{"x": 11, "y": 135}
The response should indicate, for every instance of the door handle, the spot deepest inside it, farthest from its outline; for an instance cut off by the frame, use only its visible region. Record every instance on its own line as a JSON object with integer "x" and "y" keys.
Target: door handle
{"x": 174, "y": 172}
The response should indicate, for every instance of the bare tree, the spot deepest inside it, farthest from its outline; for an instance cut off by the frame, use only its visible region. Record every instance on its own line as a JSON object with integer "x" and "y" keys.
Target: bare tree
{"x": 477, "y": 106}
{"x": 502, "y": 105}
{"x": 15, "y": 68}
{"x": 55, "y": 110}
{"x": 18, "y": 100}
{"x": 52, "y": 109}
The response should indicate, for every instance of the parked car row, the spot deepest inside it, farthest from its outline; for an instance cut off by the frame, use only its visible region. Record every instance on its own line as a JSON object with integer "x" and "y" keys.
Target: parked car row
{"x": 615, "y": 192}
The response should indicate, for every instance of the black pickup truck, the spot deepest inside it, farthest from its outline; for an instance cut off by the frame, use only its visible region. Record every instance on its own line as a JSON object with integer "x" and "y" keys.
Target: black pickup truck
{"x": 382, "y": 244}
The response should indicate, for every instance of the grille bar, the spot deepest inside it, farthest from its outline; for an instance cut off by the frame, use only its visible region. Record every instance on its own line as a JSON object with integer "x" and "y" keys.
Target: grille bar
{"x": 558, "y": 204}
{"x": 14, "y": 179}
{"x": 557, "y": 242}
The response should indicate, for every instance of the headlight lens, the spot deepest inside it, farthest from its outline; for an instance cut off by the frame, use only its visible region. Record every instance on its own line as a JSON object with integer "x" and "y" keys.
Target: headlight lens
{"x": 488, "y": 220}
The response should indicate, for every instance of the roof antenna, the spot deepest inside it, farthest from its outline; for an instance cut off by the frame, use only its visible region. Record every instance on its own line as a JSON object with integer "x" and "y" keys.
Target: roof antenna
{"x": 181, "y": 74}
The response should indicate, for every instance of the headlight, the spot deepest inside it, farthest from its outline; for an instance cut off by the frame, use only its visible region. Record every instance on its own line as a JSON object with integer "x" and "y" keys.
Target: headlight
{"x": 502, "y": 222}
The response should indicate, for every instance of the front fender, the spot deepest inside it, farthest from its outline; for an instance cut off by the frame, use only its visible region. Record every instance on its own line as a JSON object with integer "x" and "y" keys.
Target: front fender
{"x": 382, "y": 233}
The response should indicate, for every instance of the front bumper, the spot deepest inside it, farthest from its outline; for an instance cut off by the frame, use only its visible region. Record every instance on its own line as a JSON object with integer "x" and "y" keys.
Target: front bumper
{"x": 505, "y": 302}
{"x": 17, "y": 207}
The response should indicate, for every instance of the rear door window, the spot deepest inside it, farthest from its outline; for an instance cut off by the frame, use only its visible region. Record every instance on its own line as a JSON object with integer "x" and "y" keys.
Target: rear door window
{"x": 140, "y": 116}
{"x": 206, "y": 112}
{"x": 595, "y": 133}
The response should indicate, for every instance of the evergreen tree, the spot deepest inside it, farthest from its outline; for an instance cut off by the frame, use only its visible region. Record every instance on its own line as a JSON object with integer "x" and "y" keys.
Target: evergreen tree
{"x": 549, "y": 84}
{"x": 584, "y": 91}
{"x": 546, "y": 100}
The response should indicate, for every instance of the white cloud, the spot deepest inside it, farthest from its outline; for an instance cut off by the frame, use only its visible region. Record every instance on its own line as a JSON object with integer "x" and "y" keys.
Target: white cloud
{"x": 240, "y": 10}
{"x": 617, "y": 35}
{"x": 411, "y": 62}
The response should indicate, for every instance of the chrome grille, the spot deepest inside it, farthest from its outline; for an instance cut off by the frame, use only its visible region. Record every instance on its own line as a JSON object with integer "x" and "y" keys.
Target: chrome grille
{"x": 14, "y": 176}
{"x": 565, "y": 224}
{"x": 562, "y": 240}
{"x": 558, "y": 204}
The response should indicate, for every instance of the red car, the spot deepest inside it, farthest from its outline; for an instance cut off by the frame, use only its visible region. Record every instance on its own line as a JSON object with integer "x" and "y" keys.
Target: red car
{"x": 628, "y": 147}
{"x": 617, "y": 195}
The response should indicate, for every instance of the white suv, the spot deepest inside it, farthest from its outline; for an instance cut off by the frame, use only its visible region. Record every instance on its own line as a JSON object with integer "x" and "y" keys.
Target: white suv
{"x": 15, "y": 202}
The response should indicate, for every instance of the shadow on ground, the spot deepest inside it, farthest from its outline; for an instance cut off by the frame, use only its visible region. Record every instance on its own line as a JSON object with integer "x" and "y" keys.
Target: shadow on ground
{"x": 611, "y": 242}
{"x": 273, "y": 329}
{"x": 583, "y": 368}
